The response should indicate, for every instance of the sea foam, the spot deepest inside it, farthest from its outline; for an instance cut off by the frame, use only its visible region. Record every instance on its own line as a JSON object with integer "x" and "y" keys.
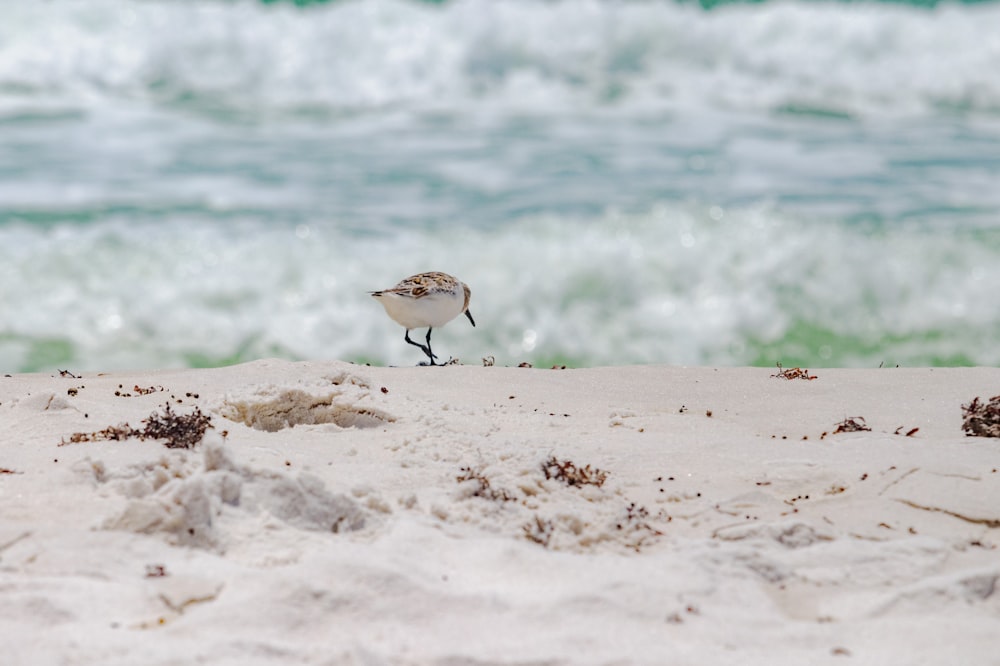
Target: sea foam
{"x": 353, "y": 57}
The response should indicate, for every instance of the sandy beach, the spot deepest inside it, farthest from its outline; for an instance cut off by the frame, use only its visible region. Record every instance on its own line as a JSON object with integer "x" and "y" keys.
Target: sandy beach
{"x": 329, "y": 513}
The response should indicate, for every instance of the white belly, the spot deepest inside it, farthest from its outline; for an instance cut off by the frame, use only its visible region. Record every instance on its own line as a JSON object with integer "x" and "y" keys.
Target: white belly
{"x": 432, "y": 310}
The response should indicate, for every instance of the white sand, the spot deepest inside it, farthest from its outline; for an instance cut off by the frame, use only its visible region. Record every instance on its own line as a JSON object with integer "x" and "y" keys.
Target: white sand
{"x": 347, "y": 539}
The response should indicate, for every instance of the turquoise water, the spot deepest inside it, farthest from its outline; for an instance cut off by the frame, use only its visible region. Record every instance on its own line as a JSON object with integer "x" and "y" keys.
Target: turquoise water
{"x": 202, "y": 183}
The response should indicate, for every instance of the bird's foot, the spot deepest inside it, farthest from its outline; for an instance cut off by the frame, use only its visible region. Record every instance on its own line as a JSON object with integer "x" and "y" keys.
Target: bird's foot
{"x": 450, "y": 361}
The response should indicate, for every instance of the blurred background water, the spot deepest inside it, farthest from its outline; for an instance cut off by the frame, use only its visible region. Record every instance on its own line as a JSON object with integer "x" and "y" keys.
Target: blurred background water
{"x": 202, "y": 182}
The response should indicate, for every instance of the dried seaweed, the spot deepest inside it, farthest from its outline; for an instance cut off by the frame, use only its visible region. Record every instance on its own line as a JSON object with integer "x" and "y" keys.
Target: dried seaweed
{"x": 138, "y": 390}
{"x": 635, "y": 523}
{"x": 567, "y": 472}
{"x": 179, "y": 431}
{"x": 852, "y": 424}
{"x": 793, "y": 373}
{"x": 484, "y": 488}
{"x": 982, "y": 419}
{"x": 539, "y": 530}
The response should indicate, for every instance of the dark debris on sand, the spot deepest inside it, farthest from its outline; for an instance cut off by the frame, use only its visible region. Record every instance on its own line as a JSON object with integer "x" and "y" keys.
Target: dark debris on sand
{"x": 567, "y": 472}
{"x": 793, "y": 373}
{"x": 179, "y": 431}
{"x": 852, "y": 424}
{"x": 982, "y": 419}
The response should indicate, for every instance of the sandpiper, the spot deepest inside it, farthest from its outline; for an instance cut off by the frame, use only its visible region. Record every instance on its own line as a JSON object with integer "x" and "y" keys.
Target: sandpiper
{"x": 426, "y": 299}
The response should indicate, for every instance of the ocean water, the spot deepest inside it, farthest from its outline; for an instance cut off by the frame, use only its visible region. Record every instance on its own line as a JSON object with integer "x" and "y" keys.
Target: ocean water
{"x": 205, "y": 182}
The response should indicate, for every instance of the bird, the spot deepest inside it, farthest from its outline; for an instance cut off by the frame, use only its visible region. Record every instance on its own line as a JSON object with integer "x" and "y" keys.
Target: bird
{"x": 425, "y": 300}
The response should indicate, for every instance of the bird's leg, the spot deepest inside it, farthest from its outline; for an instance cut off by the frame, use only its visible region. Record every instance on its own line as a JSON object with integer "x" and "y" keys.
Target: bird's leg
{"x": 428, "y": 350}
{"x": 424, "y": 348}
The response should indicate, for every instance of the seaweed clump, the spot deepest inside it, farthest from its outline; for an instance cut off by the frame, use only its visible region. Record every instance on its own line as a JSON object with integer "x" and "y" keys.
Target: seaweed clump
{"x": 540, "y": 530}
{"x": 482, "y": 486}
{"x": 179, "y": 431}
{"x": 852, "y": 424}
{"x": 635, "y": 523}
{"x": 793, "y": 373}
{"x": 982, "y": 419}
{"x": 567, "y": 472}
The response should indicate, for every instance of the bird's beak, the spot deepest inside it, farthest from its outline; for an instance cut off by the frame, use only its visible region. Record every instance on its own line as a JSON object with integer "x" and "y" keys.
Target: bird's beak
{"x": 469, "y": 315}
